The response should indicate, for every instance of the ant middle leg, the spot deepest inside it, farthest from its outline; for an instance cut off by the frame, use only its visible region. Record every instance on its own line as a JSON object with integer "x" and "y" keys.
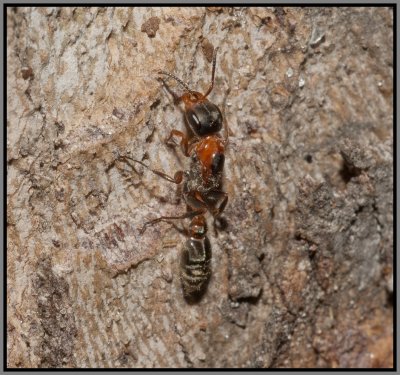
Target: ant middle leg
{"x": 183, "y": 142}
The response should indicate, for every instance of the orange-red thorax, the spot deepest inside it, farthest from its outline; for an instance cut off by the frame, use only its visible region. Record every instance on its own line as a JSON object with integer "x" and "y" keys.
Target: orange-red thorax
{"x": 206, "y": 150}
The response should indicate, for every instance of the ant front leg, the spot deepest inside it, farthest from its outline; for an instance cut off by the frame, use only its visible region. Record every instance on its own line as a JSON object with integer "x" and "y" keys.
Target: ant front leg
{"x": 183, "y": 142}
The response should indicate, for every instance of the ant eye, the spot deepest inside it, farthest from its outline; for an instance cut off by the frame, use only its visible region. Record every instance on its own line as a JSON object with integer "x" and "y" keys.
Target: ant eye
{"x": 194, "y": 120}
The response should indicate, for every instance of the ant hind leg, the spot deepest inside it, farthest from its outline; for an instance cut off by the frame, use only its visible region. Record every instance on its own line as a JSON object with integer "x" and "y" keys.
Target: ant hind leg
{"x": 216, "y": 202}
{"x": 177, "y": 179}
{"x": 187, "y": 215}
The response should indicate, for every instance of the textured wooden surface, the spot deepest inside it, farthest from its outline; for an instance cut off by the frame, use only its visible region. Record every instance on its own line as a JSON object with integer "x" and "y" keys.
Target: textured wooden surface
{"x": 302, "y": 273}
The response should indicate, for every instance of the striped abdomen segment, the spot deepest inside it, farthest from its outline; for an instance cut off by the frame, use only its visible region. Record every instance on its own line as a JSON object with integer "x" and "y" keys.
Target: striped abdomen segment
{"x": 195, "y": 266}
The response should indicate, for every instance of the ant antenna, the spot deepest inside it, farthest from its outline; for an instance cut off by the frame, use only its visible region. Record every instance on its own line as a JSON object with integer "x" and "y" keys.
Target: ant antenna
{"x": 213, "y": 72}
{"x": 176, "y": 79}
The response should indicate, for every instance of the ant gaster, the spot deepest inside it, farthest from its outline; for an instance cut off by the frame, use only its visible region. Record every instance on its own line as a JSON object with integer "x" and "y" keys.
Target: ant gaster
{"x": 196, "y": 259}
{"x": 201, "y": 183}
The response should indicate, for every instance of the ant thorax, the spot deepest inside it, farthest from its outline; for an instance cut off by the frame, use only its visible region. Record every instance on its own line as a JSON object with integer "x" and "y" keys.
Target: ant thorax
{"x": 194, "y": 178}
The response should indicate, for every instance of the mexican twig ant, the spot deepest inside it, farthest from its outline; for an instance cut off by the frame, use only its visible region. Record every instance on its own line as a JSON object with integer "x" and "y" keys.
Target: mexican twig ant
{"x": 201, "y": 183}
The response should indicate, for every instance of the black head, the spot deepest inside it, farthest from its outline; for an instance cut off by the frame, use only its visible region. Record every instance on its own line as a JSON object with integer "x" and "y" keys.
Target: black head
{"x": 204, "y": 118}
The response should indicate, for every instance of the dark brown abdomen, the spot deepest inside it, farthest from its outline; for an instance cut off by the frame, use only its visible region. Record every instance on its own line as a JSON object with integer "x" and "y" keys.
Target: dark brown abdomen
{"x": 195, "y": 266}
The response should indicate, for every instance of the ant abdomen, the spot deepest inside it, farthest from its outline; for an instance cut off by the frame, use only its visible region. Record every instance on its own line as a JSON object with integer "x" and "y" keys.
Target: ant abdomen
{"x": 195, "y": 266}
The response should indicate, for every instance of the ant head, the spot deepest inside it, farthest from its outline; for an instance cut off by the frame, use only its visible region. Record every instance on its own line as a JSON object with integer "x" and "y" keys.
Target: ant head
{"x": 198, "y": 227}
{"x": 204, "y": 117}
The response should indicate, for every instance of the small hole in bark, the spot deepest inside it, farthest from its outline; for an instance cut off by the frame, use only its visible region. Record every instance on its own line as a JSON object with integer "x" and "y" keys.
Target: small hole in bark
{"x": 250, "y": 299}
{"x": 155, "y": 104}
{"x": 347, "y": 172}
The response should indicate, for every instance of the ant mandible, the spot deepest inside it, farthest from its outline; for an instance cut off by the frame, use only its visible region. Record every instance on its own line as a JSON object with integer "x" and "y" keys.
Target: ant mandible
{"x": 202, "y": 182}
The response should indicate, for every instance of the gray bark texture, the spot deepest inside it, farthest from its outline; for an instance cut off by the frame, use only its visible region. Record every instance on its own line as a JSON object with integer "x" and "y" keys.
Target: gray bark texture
{"x": 302, "y": 268}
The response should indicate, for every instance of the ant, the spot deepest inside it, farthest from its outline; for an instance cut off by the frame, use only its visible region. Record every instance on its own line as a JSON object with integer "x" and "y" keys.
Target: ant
{"x": 201, "y": 183}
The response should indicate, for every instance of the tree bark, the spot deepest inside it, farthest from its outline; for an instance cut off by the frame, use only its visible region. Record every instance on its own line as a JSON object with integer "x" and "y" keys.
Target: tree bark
{"x": 302, "y": 270}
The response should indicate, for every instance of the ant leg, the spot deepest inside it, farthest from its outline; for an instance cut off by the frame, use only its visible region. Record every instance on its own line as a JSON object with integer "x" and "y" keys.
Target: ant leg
{"x": 223, "y": 204}
{"x": 183, "y": 143}
{"x": 183, "y": 230}
{"x": 189, "y": 214}
{"x": 216, "y": 202}
{"x": 177, "y": 179}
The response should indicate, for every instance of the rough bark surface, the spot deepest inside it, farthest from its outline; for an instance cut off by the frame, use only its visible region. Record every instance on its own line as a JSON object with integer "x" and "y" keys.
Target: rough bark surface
{"x": 302, "y": 272}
